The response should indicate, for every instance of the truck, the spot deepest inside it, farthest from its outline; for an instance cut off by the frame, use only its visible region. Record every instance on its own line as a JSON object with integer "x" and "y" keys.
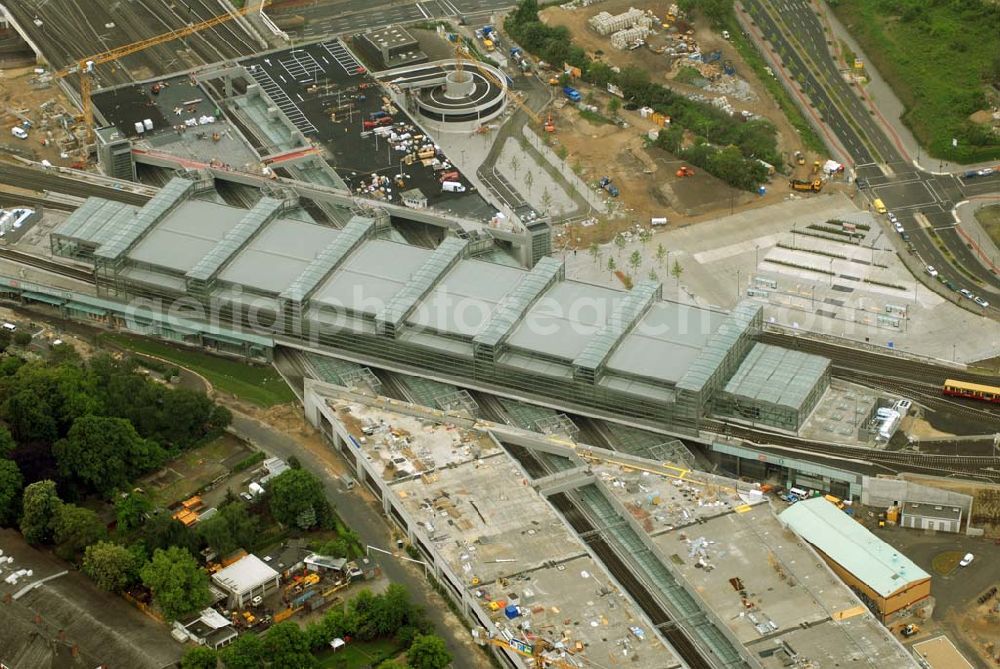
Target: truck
{"x": 879, "y": 206}
{"x": 606, "y": 184}
{"x": 814, "y": 186}
{"x": 800, "y": 159}
{"x": 572, "y": 94}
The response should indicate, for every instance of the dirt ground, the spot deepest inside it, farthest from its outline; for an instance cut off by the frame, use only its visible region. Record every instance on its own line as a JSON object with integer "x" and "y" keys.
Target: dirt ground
{"x": 19, "y": 91}
{"x": 646, "y": 177}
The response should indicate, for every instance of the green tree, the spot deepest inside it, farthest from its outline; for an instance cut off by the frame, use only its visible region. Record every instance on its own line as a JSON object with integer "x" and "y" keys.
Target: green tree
{"x": 620, "y": 243}
{"x": 614, "y": 104}
{"x": 75, "y": 529}
{"x": 529, "y": 180}
{"x": 40, "y": 505}
{"x": 7, "y": 443}
{"x": 297, "y": 499}
{"x": 428, "y": 652}
{"x": 653, "y": 276}
{"x": 635, "y": 260}
{"x": 131, "y": 510}
{"x": 392, "y": 664}
{"x": 105, "y": 454}
{"x": 232, "y": 528}
{"x": 546, "y": 200}
{"x": 30, "y": 418}
{"x": 110, "y": 566}
{"x": 676, "y": 271}
{"x": 661, "y": 253}
{"x": 11, "y": 483}
{"x": 247, "y": 652}
{"x": 200, "y": 657}
{"x": 22, "y": 338}
{"x": 287, "y": 647}
{"x": 164, "y": 531}
{"x": 611, "y": 264}
{"x": 178, "y": 585}
{"x": 594, "y": 250}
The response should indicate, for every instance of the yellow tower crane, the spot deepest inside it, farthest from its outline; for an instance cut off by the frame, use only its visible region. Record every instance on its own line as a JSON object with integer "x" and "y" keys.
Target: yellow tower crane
{"x": 85, "y": 66}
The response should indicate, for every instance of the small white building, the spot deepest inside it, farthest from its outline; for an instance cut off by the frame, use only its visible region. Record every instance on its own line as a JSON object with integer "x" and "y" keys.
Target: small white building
{"x": 245, "y": 579}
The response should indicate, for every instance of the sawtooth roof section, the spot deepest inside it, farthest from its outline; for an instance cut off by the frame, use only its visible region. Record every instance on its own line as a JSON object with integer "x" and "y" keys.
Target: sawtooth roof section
{"x": 513, "y": 306}
{"x": 777, "y": 376}
{"x": 623, "y": 318}
{"x": 255, "y": 219}
{"x": 168, "y": 197}
{"x": 718, "y": 346}
{"x": 848, "y": 543}
{"x": 357, "y": 230}
{"x": 391, "y": 316}
{"x": 92, "y": 221}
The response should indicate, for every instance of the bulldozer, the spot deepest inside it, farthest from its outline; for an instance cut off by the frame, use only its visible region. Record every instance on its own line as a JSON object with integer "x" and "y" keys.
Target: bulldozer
{"x": 814, "y": 186}
{"x": 550, "y": 125}
{"x": 685, "y": 171}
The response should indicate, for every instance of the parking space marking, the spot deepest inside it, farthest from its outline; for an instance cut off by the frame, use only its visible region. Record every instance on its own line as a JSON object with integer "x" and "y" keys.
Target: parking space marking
{"x": 302, "y": 69}
{"x": 281, "y": 99}
{"x": 342, "y": 56}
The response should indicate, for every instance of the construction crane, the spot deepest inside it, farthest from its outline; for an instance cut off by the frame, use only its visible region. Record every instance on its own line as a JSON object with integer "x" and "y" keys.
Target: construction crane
{"x": 85, "y": 66}
{"x": 461, "y": 56}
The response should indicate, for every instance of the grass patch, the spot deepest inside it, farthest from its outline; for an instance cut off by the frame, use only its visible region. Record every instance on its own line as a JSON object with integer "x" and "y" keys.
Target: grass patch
{"x": 876, "y": 282}
{"x": 360, "y": 654}
{"x": 595, "y": 118}
{"x": 989, "y": 219}
{"x": 756, "y": 62}
{"x": 249, "y": 461}
{"x": 945, "y": 563}
{"x": 689, "y": 75}
{"x": 253, "y": 383}
{"x": 192, "y": 470}
{"x": 939, "y": 58}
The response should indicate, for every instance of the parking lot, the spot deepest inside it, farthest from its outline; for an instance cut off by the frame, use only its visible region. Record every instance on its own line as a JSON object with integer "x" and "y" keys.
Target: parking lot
{"x": 329, "y": 96}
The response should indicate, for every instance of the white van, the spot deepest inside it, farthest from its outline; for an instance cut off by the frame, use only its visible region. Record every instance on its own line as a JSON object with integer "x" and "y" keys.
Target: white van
{"x": 19, "y": 132}
{"x": 9, "y": 327}
{"x": 799, "y": 492}
{"x": 657, "y": 221}
{"x": 452, "y": 187}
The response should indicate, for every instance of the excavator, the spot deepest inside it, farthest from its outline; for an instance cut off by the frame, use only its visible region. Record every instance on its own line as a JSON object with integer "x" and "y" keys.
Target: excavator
{"x": 814, "y": 186}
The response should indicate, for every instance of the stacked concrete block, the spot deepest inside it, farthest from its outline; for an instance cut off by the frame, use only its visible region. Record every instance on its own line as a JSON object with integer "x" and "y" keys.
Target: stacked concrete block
{"x": 605, "y": 24}
{"x": 623, "y": 39}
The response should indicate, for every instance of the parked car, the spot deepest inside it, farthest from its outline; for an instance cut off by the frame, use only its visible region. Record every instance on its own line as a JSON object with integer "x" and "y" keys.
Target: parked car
{"x": 965, "y": 292}
{"x": 930, "y": 270}
{"x": 967, "y": 560}
{"x": 981, "y": 302}
{"x": 892, "y": 218}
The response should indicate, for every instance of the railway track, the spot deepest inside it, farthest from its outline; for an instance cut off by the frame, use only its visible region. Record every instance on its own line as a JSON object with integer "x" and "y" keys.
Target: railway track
{"x": 47, "y": 180}
{"x": 626, "y": 578}
{"x": 47, "y": 265}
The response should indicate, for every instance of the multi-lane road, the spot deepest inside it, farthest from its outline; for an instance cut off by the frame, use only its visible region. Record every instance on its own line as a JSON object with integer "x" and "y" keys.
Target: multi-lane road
{"x": 791, "y": 33}
{"x": 342, "y": 16}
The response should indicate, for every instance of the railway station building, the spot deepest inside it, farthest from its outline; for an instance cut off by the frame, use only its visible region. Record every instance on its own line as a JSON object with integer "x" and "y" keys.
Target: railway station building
{"x": 885, "y": 579}
{"x": 447, "y": 313}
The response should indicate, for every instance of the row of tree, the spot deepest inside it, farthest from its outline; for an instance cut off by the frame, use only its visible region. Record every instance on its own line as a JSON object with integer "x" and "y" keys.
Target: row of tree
{"x": 702, "y": 134}
{"x": 366, "y": 617}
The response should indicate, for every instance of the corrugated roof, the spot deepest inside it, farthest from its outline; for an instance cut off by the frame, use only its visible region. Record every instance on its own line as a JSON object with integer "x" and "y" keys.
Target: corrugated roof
{"x": 357, "y": 229}
{"x": 623, "y": 317}
{"x": 245, "y": 574}
{"x": 166, "y": 199}
{"x": 513, "y": 307}
{"x": 404, "y": 301}
{"x": 872, "y": 561}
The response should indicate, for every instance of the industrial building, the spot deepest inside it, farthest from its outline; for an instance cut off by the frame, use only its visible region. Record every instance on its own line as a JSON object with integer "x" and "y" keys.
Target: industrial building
{"x": 885, "y": 579}
{"x": 931, "y": 516}
{"x": 245, "y": 579}
{"x": 390, "y": 47}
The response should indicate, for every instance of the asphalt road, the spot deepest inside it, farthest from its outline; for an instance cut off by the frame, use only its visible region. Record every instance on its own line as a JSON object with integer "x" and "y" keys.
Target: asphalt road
{"x": 922, "y": 201}
{"x": 334, "y": 18}
{"x": 69, "y": 30}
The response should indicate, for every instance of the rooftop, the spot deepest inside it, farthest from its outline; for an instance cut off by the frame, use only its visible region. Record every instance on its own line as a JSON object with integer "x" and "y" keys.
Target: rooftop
{"x": 501, "y": 537}
{"x": 244, "y": 574}
{"x": 777, "y": 376}
{"x": 851, "y": 545}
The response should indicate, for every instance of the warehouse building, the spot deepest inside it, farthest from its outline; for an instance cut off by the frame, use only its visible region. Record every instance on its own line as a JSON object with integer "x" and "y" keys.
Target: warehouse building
{"x": 390, "y": 47}
{"x": 245, "y": 579}
{"x": 886, "y": 580}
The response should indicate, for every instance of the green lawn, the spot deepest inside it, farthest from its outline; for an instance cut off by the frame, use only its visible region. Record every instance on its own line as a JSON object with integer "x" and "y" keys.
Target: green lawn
{"x": 259, "y": 384}
{"x": 359, "y": 654}
{"x": 939, "y": 58}
{"x": 989, "y": 219}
